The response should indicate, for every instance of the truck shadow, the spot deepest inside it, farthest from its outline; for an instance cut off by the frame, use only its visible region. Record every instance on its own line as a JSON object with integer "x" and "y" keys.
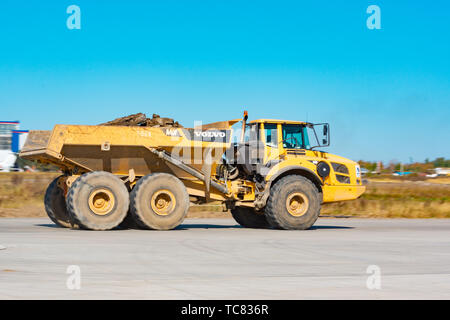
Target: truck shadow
{"x": 237, "y": 226}
{"x": 329, "y": 227}
{"x": 206, "y": 226}
{"x": 201, "y": 226}
{"x": 48, "y": 225}
{"x": 181, "y": 227}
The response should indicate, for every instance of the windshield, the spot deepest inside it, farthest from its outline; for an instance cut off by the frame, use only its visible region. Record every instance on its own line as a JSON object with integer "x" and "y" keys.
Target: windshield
{"x": 295, "y": 136}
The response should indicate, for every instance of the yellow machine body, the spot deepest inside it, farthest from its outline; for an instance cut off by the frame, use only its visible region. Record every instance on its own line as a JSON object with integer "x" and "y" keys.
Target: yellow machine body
{"x": 133, "y": 152}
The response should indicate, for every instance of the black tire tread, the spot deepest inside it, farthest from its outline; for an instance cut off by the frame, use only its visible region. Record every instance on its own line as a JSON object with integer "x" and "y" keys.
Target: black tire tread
{"x": 271, "y": 208}
{"x": 61, "y": 219}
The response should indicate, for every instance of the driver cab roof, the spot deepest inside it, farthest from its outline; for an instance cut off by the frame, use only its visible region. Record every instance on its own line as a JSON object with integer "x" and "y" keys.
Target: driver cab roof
{"x": 278, "y": 121}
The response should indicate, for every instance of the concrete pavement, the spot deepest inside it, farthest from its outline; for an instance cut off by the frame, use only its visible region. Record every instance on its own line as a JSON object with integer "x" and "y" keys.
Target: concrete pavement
{"x": 216, "y": 259}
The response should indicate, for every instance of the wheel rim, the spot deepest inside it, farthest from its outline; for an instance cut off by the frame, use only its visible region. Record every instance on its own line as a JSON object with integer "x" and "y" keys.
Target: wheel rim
{"x": 163, "y": 202}
{"x": 101, "y": 202}
{"x": 297, "y": 204}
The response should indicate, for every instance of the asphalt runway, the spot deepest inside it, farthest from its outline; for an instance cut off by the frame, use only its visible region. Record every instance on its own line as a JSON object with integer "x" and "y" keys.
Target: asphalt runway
{"x": 216, "y": 259}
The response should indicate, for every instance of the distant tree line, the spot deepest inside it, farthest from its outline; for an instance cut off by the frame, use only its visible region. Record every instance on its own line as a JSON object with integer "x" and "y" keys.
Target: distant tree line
{"x": 440, "y": 162}
{"x": 392, "y": 166}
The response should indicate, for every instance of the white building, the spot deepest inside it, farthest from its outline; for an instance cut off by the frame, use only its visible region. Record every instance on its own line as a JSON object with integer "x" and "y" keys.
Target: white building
{"x": 11, "y": 141}
{"x": 442, "y": 171}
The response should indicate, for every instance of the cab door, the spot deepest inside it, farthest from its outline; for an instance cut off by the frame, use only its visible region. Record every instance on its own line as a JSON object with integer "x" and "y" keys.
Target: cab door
{"x": 293, "y": 139}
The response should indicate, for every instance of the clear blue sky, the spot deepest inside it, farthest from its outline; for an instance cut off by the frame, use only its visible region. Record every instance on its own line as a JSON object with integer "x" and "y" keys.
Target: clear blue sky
{"x": 385, "y": 92}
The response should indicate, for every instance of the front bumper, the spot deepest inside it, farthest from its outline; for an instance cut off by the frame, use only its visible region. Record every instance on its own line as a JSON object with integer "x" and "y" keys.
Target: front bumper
{"x": 341, "y": 193}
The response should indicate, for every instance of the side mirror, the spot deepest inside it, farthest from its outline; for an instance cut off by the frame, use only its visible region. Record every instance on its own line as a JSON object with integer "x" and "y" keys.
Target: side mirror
{"x": 322, "y": 134}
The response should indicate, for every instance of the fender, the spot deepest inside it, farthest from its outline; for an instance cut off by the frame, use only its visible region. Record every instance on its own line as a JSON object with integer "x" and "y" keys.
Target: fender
{"x": 295, "y": 170}
{"x": 292, "y": 169}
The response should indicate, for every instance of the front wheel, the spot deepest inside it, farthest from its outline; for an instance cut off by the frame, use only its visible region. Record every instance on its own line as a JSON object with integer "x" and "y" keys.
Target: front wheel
{"x": 294, "y": 203}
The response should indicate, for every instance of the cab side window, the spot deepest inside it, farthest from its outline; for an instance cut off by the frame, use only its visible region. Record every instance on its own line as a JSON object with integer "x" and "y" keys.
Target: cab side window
{"x": 270, "y": 132}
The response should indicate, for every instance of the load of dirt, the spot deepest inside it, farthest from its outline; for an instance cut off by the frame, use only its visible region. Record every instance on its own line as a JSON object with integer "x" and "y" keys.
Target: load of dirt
{"x": 141, "y": 120}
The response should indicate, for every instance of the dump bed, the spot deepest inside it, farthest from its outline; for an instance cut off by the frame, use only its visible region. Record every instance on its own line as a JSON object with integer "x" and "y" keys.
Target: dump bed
{"x": 36, "y": 142}
{"x": 119, "y": 149}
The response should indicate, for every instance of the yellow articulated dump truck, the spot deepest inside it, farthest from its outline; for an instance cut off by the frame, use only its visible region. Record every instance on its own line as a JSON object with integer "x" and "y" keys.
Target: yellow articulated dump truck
{"x": 268, "y": 173}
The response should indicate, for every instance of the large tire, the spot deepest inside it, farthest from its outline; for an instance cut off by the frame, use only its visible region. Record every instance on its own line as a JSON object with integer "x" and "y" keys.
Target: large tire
{"x": 55, "y": 205}
{"x": 294, "y": 203}
{"x": 98, "y": 201}
{"x": 159, "y": 201}
{"x": 248, "y": 218}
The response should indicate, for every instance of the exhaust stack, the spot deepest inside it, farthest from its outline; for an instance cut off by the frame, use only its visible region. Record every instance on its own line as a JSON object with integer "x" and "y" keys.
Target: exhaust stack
{"x": 244, "y": 122}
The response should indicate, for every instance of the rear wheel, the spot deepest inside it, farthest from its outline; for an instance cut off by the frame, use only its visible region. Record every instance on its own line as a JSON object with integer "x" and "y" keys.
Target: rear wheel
{"x": 159, "y": 201}
{"x": 294, "y": 203}
{"x": 55, "y": 205}
{"x": 249, "y": 218}
{"x": 98, "y": 201}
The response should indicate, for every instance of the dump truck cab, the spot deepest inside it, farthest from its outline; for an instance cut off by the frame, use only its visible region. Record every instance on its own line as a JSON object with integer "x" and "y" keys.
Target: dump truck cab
{"x": 274, "y": 149}
{"x": 294, "y": 145}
